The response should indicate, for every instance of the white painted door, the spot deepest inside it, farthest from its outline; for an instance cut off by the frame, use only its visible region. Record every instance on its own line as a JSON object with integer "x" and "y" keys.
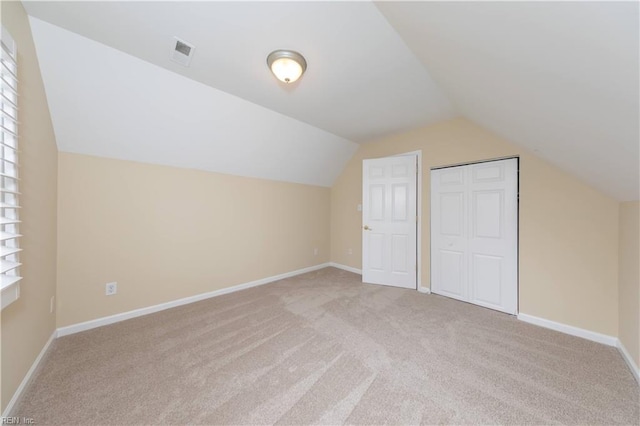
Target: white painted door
{"x": 474, "y": 233}
{"x": 389, "y": 221}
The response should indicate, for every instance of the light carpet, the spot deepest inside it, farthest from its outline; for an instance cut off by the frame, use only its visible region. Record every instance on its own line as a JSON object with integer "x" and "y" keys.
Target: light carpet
{"x": 323, "y": 348}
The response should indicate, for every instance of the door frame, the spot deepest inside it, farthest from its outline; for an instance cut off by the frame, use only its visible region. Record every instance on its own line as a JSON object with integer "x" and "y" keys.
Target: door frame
{"x": 517, "y": 158}
{"x": 418, "y": 154}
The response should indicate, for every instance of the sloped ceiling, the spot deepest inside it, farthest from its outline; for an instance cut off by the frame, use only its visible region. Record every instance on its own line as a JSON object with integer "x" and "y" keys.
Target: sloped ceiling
{"x": 107, "y": 103}
{"x": 558, "y": 78}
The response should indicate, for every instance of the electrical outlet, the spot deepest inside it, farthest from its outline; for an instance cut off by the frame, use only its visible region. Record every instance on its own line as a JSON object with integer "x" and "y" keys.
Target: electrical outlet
{"x": 111, "y": 288}
{"x": 349, "y": 251}
{"x": 315, "y": 251}
{"x": 52, "y": 304}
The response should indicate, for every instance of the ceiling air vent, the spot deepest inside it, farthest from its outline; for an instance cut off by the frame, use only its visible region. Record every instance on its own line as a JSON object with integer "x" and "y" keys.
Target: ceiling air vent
{"x": 182, "y": 52}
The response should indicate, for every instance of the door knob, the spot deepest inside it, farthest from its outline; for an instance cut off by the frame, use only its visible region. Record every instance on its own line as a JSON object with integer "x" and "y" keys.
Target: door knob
{"x": 366, "y": 228}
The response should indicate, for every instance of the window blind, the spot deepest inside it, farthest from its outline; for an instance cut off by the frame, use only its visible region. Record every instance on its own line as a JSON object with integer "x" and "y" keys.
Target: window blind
{"x": 9, "y": 188}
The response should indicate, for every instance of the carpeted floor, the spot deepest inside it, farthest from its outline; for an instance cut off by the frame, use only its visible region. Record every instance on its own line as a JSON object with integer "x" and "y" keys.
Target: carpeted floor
{"x": 324, "y": 348}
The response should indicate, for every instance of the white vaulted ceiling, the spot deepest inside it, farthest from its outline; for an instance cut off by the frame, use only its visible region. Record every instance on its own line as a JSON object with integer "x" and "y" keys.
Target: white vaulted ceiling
{"x": 558, "y": 78}
{"x": 107, "y": 103}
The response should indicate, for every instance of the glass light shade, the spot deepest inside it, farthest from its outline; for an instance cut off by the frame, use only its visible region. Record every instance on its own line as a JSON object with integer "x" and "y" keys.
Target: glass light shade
{"x": 286, "y": 70}
{"x": 286, "y": 65}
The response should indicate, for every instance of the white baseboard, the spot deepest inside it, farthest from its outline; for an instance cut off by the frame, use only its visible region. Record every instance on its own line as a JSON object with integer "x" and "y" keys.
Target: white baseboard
{"x": 630, "y": 362}
{"x": 586, "y": 334}
{"x": 99, "y": 322}
{"x": 569, "y": 329}
{"x": 425, "y": 290}
{"x": 346, "y": 268}
{"x": 28, "y": 376}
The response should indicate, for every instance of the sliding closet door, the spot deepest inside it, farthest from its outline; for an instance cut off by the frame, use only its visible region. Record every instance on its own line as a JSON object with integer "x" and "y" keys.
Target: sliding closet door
{"x": 474, "y": 246}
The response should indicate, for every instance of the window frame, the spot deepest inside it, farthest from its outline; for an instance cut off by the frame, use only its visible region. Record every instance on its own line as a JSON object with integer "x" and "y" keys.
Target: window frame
{"x": 10, "y": 249}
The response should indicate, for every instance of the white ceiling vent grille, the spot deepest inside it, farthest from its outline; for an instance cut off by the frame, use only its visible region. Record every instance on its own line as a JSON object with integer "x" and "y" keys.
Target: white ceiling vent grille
{"x": 181, "y": 51}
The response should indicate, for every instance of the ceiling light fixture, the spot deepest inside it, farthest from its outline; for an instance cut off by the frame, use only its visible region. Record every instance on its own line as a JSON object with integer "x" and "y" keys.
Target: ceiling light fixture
{"x": 286, "y": 65}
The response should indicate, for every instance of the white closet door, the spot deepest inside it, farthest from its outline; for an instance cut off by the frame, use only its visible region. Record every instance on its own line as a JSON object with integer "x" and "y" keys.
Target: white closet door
{"x": 474, "y": 234}
{"x": 449, "y": 232}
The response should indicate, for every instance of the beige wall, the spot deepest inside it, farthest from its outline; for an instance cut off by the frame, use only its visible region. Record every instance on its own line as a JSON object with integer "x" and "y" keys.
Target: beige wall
{"x": 568, "y": 230}
{"x": 629, "y": 296}
{"x": 27, "y": 323}
{"x": 165, "y": 233}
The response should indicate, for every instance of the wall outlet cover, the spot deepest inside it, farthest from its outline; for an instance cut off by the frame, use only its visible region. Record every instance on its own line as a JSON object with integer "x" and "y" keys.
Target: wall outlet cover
{"x": 111, "y": 288}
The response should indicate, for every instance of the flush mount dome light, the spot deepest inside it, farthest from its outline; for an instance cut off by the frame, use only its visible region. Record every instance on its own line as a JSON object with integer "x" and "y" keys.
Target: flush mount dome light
{"x": 286, "y": 65}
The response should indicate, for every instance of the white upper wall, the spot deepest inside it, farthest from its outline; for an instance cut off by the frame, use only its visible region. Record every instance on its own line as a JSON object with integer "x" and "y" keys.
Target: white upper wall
{"x": 108, "y": 103}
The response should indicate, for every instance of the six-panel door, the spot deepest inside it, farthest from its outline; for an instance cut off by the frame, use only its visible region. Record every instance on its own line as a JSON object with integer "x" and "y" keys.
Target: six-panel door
{"x": 389, "y": 221}
{"x": 474, "y": 251}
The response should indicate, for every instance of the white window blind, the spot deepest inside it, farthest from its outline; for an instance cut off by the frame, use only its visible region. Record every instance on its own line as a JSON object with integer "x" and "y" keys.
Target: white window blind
{"x": 9, "y": 194}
